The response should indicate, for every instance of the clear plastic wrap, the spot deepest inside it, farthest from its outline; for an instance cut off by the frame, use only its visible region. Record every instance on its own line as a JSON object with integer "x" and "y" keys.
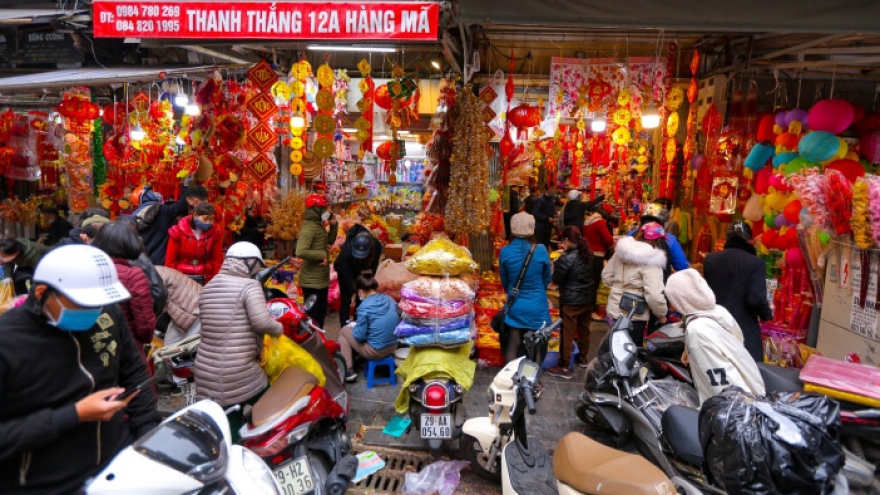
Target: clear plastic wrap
{"x": 441, "y": 257}
{"x": 446, "y": 309}
{"x": 436, "y": 288}
{"x": 391, "y": 276}
{"x": 439, "y": 477}
{"x": 656, "y": 396}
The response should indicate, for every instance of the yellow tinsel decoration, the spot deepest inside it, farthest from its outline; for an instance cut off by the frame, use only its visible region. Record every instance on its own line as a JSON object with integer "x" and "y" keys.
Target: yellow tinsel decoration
{"x": 861, "y": 220}
{"x": 287, "y": 216}
{"x": 468, "y": 210}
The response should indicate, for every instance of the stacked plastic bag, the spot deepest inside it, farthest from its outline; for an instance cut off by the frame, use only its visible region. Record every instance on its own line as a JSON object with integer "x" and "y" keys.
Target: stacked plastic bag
{"x": 437, "y": 307}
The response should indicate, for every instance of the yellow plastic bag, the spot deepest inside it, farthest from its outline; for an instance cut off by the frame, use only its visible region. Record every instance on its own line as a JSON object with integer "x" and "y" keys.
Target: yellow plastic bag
{"x": 442, "y": 257}
{"x": 7, "y": 294}
{"x": 281, "y": 352}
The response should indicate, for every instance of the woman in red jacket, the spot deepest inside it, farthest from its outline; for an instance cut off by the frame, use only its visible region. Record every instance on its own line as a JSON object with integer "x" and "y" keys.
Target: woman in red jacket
{"x": 195, "y": 245}
{"x": 122, "y": 244}
{"x": 601, "y": 243}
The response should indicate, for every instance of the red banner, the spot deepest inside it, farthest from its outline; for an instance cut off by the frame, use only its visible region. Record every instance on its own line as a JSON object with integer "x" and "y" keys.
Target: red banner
{"x": 411, "y": 21}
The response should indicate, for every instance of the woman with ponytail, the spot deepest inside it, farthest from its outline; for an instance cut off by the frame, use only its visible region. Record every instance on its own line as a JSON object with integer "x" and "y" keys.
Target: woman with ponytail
{"x": 573, "y": 273}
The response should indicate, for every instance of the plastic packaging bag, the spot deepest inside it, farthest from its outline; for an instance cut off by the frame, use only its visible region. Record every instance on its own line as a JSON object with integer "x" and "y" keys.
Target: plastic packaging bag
{"x": 7, "y": 294}
{"x": 437, "y": 288}
{"x": 439, "y": 477}
{"x": 417, "y": 326}
{"x": 451, "y": 338}
{"x": 448, "y": 309}
{"x": 442, "y": 257}
{"x": 282, "y": 352}
{"x": 756, "y": 445}
{"x": 391, "y": 276}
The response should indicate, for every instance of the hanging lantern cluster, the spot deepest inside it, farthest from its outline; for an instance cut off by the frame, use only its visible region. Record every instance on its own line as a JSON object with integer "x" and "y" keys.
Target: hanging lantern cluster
{"x": 364, "y": 124}
{"x": 324, "y": 123}
{"x": 468, "y": 210}
{"x": 79, "y": 114}
{"x": 299, "y": 73}
{"x": 261, "y": 137}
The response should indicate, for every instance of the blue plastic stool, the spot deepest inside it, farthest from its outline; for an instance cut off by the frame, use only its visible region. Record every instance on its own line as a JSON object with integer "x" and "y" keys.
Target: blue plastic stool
{"x": 371, "y": 369}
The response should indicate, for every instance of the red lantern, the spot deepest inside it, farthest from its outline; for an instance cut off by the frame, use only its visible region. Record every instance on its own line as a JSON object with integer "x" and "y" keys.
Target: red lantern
{"x": 506, "y": 145}
{"x": 525, "y": 116}
{"x": 383, "y": 151}
{"x": 78, "y": 109}
{"x": 765, "y": 128}
{"x": 383, "y": 98}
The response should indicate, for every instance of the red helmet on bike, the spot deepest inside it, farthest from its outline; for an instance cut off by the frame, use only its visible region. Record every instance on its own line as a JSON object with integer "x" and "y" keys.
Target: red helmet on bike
{"x": 316, "y": 200}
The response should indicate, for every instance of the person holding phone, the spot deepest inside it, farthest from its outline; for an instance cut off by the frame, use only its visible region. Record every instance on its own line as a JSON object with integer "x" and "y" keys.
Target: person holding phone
{"x": 66, "y": 358}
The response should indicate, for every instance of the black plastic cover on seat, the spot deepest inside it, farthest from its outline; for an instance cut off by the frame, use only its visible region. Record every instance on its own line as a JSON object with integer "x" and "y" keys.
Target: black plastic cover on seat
{"x": 777, "y": 379}
{"x": 681, "y": 427}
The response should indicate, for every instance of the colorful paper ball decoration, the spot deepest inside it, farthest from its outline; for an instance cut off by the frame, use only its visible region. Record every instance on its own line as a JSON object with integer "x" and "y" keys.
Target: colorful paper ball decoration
{"x": 758, "y": 156}
{"x": 777, "y": 181}
{"x": 770, "y": 222}
{"x": 833, "y": 115}
{"x": 792, "y": 211}
{"x": 794, "y": 257}
{"x": 870, "y": 146}
{"x": 850, "y": 169}
{"x": 780, "y": 221}
{"x": 783, "y": 158}
{"x": 789, "y": 239}
{"x": 818, "y": 146}
{"x": 779, "y": 119}
{"x": 859, "y": 113}
{"x": 870, "y": 122}
{"x": 765, "y": 129}
{"x": 769, "y": 239}
{"x": 797, "y": 115}
{"x": 757, "y": 229}
{"x": 787, "y": 141}
{"x": 753, "y": 211}
{"x": 797, "y": 165}
{"x": 762, "y": 180}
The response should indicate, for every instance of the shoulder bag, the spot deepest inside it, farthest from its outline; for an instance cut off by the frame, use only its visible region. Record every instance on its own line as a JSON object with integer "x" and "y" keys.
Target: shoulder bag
{"x": 497, "y": 322}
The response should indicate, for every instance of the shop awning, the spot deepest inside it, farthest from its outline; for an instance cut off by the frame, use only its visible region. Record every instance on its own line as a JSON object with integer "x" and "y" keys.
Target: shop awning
{"x": 27, "y": 16}
{"x": 788, "y": 16}
{"x": 95, "y": 77}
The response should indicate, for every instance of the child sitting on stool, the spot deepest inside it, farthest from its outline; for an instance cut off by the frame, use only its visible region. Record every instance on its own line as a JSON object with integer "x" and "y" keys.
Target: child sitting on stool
{"x": 372, "y": 333}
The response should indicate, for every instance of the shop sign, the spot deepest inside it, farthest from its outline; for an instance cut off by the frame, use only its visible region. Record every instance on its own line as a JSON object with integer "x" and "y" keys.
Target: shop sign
{"x": 40, "y": 48}
{"x": 410, "y": 21}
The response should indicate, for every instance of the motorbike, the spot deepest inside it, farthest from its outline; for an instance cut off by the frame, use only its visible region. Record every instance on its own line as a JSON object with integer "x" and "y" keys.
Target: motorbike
{"x": 436, "y": 406}
{"x": 623, "y": 399}
{"x": 297, "y": 426}
{"x": 485, "y": 437}
{"x": 189, "y": 452}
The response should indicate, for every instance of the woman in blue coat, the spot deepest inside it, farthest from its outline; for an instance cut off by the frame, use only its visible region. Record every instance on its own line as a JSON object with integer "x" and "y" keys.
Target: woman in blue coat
{"x": 530, "y": 310}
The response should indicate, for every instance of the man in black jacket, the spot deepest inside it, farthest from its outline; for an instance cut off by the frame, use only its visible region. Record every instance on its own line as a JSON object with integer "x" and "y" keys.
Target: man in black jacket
{"x": 59, "y": 227}
{"x": 154, "y": 218}
{"x": 544, "y": 211}
{"x": 738, "y": 278}
{"x": 65, "y": 357}
{"x": 360, "y": 252}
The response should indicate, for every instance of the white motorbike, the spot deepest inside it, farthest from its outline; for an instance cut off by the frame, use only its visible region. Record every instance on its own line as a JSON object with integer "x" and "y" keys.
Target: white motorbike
{"x": 191, "y": 452}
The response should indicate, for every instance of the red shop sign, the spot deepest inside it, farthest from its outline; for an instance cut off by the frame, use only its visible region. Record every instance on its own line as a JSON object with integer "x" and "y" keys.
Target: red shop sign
{"x": 412, "y": 21}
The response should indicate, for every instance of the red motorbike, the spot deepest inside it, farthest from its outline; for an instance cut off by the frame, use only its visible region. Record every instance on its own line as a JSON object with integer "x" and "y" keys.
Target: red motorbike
{"x": 299, "y": 427}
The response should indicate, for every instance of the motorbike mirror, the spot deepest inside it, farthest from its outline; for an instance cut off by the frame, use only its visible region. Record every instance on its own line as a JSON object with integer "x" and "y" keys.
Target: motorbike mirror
{"x": 310, "y": 302}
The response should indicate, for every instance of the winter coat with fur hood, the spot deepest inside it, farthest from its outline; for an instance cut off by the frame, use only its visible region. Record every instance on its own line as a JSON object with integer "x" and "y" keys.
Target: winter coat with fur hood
{"x": 234, "y": 319}
{"x": 636, "y": 268}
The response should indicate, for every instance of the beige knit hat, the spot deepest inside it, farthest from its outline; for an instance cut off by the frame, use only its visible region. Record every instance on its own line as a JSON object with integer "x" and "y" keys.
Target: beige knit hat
{"x": 522, "y": 225}
{"x": 688, "y": 292}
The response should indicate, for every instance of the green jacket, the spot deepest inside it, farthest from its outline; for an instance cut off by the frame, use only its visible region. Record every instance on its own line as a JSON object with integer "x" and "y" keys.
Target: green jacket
{"x": 313, "y": 248}
{"x": 29, "y": 256}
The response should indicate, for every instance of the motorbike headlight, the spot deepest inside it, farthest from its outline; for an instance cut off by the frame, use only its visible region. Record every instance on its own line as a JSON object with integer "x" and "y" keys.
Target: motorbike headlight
{"x": 263, "y": 480}
{"x": 490, "y": 396}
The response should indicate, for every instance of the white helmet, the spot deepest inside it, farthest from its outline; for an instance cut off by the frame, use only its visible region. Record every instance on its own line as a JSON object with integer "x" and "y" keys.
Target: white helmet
{"x": 82, "y": 273}
{"x": 246, "y": 251}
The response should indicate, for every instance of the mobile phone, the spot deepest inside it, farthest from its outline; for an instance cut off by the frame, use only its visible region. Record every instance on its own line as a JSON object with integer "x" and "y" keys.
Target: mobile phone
{"x": 140, "y": 387}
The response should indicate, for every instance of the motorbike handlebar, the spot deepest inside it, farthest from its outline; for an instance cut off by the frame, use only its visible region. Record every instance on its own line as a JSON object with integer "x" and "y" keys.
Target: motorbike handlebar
{"x": 530, "y": 398}
{"x": 265, "y": 274}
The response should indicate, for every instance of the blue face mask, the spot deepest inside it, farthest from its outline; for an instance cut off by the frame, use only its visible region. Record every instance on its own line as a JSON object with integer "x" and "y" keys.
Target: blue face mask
{"x": 75, "y": 320}
{"x": 203, "y": 226}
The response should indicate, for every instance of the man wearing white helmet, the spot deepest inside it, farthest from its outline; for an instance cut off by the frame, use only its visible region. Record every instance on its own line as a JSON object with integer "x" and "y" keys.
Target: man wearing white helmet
{"x": 65, "y": 356}
{"x": 234, "y": 319}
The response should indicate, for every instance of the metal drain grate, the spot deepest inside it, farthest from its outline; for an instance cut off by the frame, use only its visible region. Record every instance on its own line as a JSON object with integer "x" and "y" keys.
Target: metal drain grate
{"x": 389, "y": 479}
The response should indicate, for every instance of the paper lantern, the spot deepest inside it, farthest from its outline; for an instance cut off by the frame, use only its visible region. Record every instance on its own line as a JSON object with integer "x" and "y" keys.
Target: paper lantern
{"x": 787, "y": 141}
{"x": 833, "y": 115}
{"x": 762, "y": 180}
{"x": 777, "y": 201}
{"x": 870, "y": 146}
{"x": 850, "y": 169}
{"x": 525, "y": 116}
{"x": 752, "y": 210}
{"x": 779, "y": 119}
{"x": 777, "y": 181}
{"x": 783, "y": 158}
{"x": 792, "y": 211}
{"x": 870, "y": 122}
{"x": 779, "y": 221}
{"x": 757, "y": 229}
{"x": 758, "y": 156}
{"x": 859, "y": 113}
{"x": 818, "y": 146}
{"x": 769, "y": 239}
{"x": 796, "y": 115}
{"x": 383, "y": 97}
{"x": 788, "y": 240}
{"x": 765, "y": 129}
{"x": 797, "y": 165}
{"x": 794, "y": 257}
{"x": 770, "y": 221}
{"x": 506, "y": 145}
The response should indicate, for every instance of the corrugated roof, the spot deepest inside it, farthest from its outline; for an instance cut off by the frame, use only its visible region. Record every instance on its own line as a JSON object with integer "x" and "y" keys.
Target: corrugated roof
{"x": 33, "y": 14}
{"x": 94, "y": 77}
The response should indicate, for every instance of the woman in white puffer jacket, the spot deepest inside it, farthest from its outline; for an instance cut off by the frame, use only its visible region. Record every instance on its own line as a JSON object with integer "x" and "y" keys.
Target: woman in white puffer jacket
{"x": 637, "y": 268}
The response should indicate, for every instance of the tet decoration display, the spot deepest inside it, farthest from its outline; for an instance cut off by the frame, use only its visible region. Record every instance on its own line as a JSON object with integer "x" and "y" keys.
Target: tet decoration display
{"x": 79, "y": 114}
{"x": 468, "y": 210}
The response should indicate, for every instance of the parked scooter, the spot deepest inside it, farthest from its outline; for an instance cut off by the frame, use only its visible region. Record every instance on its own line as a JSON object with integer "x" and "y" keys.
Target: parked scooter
{"x": 297, "y": 426}
{"x": 436, "y": 406}
{"x": 485, "y": 437}
{"x": 621, "y": 400}
{"x": 190, "y": 452}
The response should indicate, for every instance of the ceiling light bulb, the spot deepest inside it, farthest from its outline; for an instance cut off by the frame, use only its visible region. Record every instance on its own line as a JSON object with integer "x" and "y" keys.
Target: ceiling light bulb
{"x": 297, "y": 121}
{"x": 179, "y": 141}
{"x": 650, "y": 117}
{"x": 137, "y": 133}
{"x": 192, "y": 110}
{"x": 599, "y": 124}
{"x": 181, "y": 99}
{"x": 435, "y": 64}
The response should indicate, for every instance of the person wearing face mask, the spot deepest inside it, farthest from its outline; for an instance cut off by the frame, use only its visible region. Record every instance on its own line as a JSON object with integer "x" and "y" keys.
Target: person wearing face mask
{"x": 313, "y": 248}
{"x": 154, "y": 217}
{"x": 65, "y": 355}
{"x": 195, "y": 245}
{"x": 234, "y": 318}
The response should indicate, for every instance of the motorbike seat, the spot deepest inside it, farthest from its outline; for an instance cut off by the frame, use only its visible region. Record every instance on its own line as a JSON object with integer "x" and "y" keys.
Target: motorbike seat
{"x": 293, "y": 384}
{"x": 778, "y": 379}
{"x": 681, "y": 427}
{"x": 590, "y": 467}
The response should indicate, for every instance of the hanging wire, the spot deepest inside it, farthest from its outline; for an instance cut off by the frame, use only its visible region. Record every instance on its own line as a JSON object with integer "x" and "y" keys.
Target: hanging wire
{"x": 876, "y": 93}
{"x": 797, "y": 103}
{"x": 775, "y": 90}
{"x": 833, "y": 80}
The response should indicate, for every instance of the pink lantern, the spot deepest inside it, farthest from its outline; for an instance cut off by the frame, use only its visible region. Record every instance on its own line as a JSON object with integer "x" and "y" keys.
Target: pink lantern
{"x": 832, "y": 116}
{"x": 794, "y": 257}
